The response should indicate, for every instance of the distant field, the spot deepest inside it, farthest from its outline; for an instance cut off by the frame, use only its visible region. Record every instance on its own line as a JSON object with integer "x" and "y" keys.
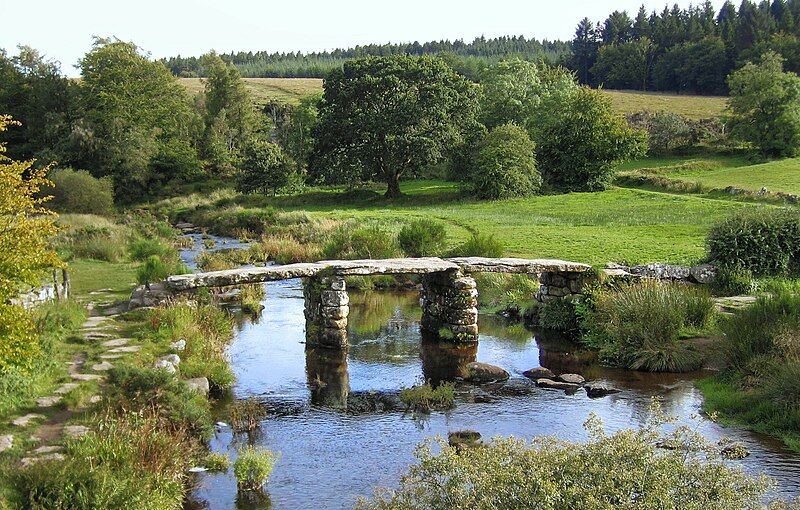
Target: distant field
{"x": 291, "y": 90}
{"x": 286, "y": 90}
{"x": 694, "y": 107}
{"x": 782, "y": 175}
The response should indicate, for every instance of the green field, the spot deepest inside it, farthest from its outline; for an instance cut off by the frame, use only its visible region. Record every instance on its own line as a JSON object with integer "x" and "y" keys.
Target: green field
{"x": 719, "y": 172}
{"x": 291, "y": 90}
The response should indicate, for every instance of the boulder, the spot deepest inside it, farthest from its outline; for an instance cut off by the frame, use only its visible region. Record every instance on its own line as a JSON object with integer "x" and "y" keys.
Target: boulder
{"x": 484, "y": 372}
{"x": 165, "y": 365}
{"x": 539, "y": 373}
{"x": 171, "y": 358}
{"x": 178, "y": 346}
{"x": 461, "y": 438}
{"x": 597, "y": 389}
{"x": 557, "y": 385}
{"x": 704, "y": 273}
{"x": 199, "y": 384}
{"x": 571, "y": 378}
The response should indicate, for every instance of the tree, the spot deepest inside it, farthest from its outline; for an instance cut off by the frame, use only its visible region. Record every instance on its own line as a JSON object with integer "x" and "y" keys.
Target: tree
{"x": 584, "y": 50}
{"x": 617, "y": 28}
{"x": 505, "y": 166}
{"x": 25, "y": 227}
{"x": 625, "y": 65}
{"x": 296, "y": 134}
{"x": 230, "y": 117}
{"x": 582, "y": 140}
{"x": 265, "y": 168}
{"x": 137, "y": 114}
{"x": 388, "y": 117}
{"x": 765, "y": 106}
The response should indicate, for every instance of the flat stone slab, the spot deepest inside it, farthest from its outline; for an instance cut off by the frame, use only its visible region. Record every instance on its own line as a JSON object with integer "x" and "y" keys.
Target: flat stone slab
{"x": 66, "y": 388}
{"x": 93, "y": 322}
{"x": 126, "y": 348}
{"x": 47, "y": 449}
{"x": 29, "y": 461}
{"x": 514, "y": 265}
{"x": 24, "y": 421}
{"x": 557, "y": 385}
{"x": 116, "y": 343}
{"x": 86, "y": 377}
{"x": 111, "y": 356}
{"x": 48, "y": 401}
{"x": 105, "y": 366}
{"x": 6, "y": 442}
{"x": 76, "y": 430}
{"x": 422, "y": 265}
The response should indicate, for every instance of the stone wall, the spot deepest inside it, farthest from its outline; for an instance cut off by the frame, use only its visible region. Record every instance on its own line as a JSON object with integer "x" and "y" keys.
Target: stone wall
{"x": 449, "y": 302}
{"x": 559, "y": 285}
{"x": 326, "y": 311}
{"x": 46, "y": 293}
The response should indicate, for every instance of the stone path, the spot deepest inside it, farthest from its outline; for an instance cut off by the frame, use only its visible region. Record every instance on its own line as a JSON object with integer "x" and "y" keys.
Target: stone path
{"x": 729, "y": 305}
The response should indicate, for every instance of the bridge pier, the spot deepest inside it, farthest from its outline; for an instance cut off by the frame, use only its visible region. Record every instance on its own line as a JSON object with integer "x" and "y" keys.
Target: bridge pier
{"x": 449, "y": 304}
{"x": 326, "y": 311}
{"x": 559, "y": 285}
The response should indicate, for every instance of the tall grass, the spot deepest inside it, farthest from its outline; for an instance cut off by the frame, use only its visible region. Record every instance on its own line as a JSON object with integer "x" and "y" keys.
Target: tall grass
{"x": 639, "y": 325}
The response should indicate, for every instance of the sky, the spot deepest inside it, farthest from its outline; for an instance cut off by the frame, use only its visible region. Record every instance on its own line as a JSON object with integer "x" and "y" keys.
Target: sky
{"x": 63, "y": 30}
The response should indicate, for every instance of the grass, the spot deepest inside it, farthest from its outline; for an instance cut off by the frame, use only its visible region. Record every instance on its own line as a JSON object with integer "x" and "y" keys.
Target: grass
{"x": 264, "y": 90}
{"x": 425, "y": 398}
{"x": 93, "y": 275}
{"x": 694, "y": 107}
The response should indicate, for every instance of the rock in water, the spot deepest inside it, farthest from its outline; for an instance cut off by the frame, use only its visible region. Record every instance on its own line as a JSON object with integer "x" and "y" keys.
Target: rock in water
{"x": 571, "y": 378}
{"x": 484, "y": 372}
{"x": 463, "y": 438}
{"x": 557, "y": 385}
{"x": 539, "y": 373}
{"x": 597, "y": 389}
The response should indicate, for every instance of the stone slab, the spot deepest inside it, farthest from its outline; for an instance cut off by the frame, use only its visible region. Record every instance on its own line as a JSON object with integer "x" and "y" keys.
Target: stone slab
{"x": 48, "y": 401}
{"x": 86, "y": 377}
{"x": 24, "y": 421}
{"x": 515, "y": 265}
{"x": 125, "y": 348}
{"x": 116, "y": 343}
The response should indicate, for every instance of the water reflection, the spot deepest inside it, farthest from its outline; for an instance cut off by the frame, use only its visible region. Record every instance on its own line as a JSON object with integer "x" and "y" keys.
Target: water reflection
{"x": 342, "y": 439}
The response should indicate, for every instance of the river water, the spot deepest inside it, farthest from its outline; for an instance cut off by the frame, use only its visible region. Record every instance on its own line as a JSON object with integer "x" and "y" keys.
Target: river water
{"x": 334, "y": 447}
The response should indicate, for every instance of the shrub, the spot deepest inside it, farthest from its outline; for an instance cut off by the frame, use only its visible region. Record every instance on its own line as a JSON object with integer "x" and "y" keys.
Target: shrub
{"x": 425, "y": 398}
{"x": 361, "y": 243}
{"x": 422, "y": 238}
{"x": 253, "y": 467}
{"x": 97, "y": 243}
{"x": 505, "y": 166}
{"x": 154, "y": 269}
{"x": 19, "y": 345}
{"x": 264, "y": 168}
{"x": 480, "y": 245}
{"x": 77, "y": 191}
{"x": 141, "y": 249}
{"x": 499, "y": 292}
{"x": 560, "y": 475}
{"x": 765, "y": 241}
{"x": 638, "y": 325}
{"x": 217, "y": 462}
{"x": 558, "y": 315}
{"x": 580, "y": 140}
{"x": 733, "y": 281}
{"x": 246, "y": 415}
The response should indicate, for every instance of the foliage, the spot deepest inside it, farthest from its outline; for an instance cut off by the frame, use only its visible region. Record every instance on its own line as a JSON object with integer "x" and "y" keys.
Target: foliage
{"x": 422, "y": 238}
{"x": 765, "y": 241}
{"x": 670, "y": 133}
{"x": 505, "y": 165}
{"x": 500, "y": 292}
{"x": 217, "y": 462}
{"x": 581, "y": 140}
{"x": 77, "y": 191}
{"x": 361, "y": 243}
{"x": 765, "y": 106}
{"x": 132, "y": 461}
{"x": 138, "y": 117}
{"x": 18, "y": 343}
{"x": 246, "y": 415}
{"x": 387, "y": 118}
{"x": 558, "y": 315}
{"x": 514, "y": 473}
{"x": 424, "y": 398}
{"x": 638, "y": 325}
{"x": 264, "y": 168}
{"x": 156, "y": 269}
{"x": 252, "y": 467}
{"x": 733, "y": 281}
{"x": 296, "y": 133}
{"x": 625, "y": 65}
{"x": 141, "y": 249}
{"x": 480, "y": 245}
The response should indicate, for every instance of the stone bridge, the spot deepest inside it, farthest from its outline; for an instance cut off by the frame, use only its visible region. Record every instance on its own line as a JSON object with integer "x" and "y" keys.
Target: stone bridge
{"x": 448, "y": 297}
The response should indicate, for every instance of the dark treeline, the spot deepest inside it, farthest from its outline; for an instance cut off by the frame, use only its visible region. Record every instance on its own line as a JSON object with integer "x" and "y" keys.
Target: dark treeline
{"x": 467, "y": 58}
{"x": 684, "y": 50}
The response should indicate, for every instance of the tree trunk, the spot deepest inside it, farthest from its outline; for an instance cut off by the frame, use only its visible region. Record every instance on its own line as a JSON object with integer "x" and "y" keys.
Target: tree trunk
{"x": 393, "y": 180}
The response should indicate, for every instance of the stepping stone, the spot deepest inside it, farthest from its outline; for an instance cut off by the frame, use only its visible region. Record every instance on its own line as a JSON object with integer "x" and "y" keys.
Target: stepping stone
{"x": 93, "y": 322}
{"x": 6, "y": 442}
{"x": 66, "y": 388}
{"x": 47, "y": 449}
{"x": 558, "y": 385}
{"x": 76, "y": 430}
{"x": 127, "y": 348}
{"x": 48, "y": 401}
{"x": 539, "y": 373}
{"x": 29, "y": 461}
{"x": 86, "y": 377}
{"x": 95, "y": 335}
{"x": 111, "y": 356}
{"x": 23, "y": 421}
{"x": 115, "y": 343}
{"x": 102, "y": 367}
{"x": 571, "y": 378}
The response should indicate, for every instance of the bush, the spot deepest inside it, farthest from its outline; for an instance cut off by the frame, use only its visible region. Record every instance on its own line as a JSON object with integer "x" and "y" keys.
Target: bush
{"x": 217, "y": 462}
{"x": 153, "y": 270}
{"x": 505, "y": 166}
{"x": 480, "y": 245}
{"x": 362, "y": 243}
{"x": 97, "y": 243}
{"x": 638, "y": 326}
{"x": 253, "y": 467}
{"x": 422, "y": 238}
{"x": 246, "y": 415}
{"x": 733, "y": 281}
{"x": 141, "y": 249}
{"x": 558, "y": 315}
{"x": 581, "y": 140}
{"x": 77, "y": 191}
{"x": 764, "y": 241}
{"x": 560, "y": 475}
{"x": 264, "y": 168}
{"x": 425, "y": 398}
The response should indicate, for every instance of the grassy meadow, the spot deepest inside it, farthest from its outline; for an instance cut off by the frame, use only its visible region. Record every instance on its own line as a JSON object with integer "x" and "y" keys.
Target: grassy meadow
{"x": 264, "y": 90}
